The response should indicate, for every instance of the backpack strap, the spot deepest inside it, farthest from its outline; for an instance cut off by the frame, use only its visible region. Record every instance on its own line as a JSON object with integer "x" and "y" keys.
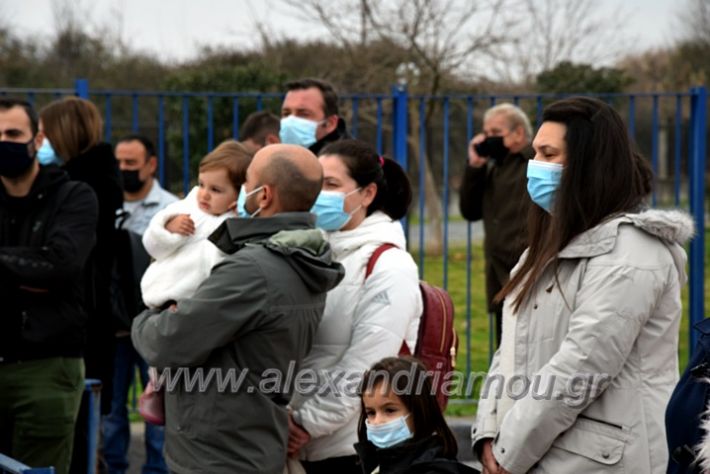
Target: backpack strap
{"x": 375, "y": 255}
{"x": 404, "y": 350}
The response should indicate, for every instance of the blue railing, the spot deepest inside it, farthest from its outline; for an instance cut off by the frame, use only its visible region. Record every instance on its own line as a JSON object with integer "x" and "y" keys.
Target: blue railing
{"x": 669, "y": 127}
{"x": 11, "y": 466}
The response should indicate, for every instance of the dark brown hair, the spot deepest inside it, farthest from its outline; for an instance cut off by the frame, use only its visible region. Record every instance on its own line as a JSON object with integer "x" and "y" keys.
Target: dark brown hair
{"x": 415, "y": 392}
{"x": 365, "y": 166}
{"x": 258, "y": 125}
{"x": 73, "y": 126}
{"x": 8, "y": 103}
{"x": 231, "y": 156}
{"x": 603, "y": 177}
{"x": 330, "y": 98}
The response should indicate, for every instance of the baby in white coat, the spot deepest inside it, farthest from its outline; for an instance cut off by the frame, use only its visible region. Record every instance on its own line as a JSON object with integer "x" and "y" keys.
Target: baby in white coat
{"x": 177, "y": 239}
{"x": 177, "y": 235}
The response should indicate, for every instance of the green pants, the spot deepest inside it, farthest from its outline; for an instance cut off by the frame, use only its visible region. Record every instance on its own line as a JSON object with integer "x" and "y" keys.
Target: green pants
{"x": 39, "y": 403}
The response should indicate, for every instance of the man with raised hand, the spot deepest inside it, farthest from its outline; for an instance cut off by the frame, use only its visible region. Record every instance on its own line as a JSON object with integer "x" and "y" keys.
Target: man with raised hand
{"x": 494, "y": 189}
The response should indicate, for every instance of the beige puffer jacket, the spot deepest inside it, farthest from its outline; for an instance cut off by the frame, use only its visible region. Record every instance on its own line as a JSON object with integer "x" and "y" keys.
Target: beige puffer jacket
{"x": 594, "y": 357}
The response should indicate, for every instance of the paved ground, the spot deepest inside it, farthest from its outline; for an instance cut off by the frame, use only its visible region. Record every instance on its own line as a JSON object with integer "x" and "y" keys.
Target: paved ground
{"x": 457, "y": 233}
{"x": 136, "y": 452}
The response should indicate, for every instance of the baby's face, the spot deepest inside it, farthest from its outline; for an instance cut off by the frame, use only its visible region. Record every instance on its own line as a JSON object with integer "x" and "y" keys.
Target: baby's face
{"x": 216, "y": 195}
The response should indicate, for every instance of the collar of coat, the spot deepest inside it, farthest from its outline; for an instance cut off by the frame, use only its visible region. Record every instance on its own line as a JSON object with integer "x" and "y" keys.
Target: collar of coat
{"x": 285, "y": 230}
{"x": 376, "y": 229}
{"x": 671, "y": 226}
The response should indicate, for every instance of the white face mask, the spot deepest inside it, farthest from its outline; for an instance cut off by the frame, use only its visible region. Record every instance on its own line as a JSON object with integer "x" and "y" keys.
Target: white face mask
{"x": 390, "y": 433}
{"x": 298, "y": 131}
{"x": 329, "y": 209}
{"x": 242, "y": 200}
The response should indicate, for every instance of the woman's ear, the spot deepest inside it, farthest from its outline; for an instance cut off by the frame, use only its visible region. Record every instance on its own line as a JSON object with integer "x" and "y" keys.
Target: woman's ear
{"x": 369, "y": 193}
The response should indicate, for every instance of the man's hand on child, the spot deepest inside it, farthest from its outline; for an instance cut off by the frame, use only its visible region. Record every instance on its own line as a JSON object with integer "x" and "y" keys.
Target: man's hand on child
{"x": 181, "y": 224}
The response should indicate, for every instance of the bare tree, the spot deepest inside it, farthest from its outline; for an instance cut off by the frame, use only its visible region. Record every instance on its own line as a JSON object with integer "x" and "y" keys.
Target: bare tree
{"x": 562, "y": 30}
{"x": 694, "y": 21}
{"x": 435, "y": 41}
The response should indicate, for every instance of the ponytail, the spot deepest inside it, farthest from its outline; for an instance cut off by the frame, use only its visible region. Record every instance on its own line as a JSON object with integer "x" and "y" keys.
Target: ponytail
{"x": 365, "y": 166}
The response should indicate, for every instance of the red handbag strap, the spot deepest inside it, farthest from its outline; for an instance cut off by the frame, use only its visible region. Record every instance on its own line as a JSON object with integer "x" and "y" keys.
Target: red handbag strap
{"x": 375, "y": 255}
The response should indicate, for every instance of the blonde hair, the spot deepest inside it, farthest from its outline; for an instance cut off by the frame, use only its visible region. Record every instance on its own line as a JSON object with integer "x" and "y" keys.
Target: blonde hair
{"x": 232, "y": 156}
{"x": 73, "y": 126}
{"x": 514, "y": 115}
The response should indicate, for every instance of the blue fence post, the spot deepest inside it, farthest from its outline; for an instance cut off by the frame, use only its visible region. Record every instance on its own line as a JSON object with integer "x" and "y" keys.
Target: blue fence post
{"x": 698, "y": 104}
{"x": 400, "y": 129}
{"x": 92, "y": 390}
{"x": 81, "y": 88}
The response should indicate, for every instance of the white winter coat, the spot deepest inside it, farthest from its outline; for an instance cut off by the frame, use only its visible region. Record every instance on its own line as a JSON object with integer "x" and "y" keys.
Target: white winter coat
{"x": 364, "y": 321}
{"x": 181, "y": 262}
{"x": 619, "y": 316}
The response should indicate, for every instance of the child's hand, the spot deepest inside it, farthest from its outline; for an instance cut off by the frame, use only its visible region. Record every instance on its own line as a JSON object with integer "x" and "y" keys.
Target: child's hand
{"x": 181, "y": 224}
{"x": 490, "y": 465}
{"x": 297, "y": 437}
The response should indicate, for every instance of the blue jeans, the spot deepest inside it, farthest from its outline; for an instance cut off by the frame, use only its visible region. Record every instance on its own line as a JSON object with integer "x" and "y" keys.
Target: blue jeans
{"x": 115, "y": 426}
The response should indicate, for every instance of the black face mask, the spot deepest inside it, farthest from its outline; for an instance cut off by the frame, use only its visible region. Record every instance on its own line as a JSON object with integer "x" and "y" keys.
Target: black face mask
{"x": 15, "y": 159}
{"x": 492, "y": 147}
{"x": 131, "y": 181}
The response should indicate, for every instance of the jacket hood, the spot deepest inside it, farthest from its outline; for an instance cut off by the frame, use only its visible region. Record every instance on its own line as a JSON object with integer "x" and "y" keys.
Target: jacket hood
{"x": 376, "y": 229}
{"x": 673, "y": 227}
{"x": 291, "y": 235}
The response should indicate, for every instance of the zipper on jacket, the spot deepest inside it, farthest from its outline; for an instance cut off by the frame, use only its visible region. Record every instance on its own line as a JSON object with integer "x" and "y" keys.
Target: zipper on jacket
{"x": 619, "y": 427}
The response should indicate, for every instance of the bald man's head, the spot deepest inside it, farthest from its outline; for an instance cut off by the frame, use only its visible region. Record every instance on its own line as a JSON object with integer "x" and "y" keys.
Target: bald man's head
{"x": 293, "y": 171}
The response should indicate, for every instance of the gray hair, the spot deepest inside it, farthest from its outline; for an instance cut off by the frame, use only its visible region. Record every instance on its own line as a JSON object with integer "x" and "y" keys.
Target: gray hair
{"x": 515, "y": 116}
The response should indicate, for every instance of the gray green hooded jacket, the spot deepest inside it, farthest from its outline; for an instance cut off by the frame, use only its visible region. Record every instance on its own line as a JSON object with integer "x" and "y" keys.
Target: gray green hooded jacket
{"x": 252, "y": 319}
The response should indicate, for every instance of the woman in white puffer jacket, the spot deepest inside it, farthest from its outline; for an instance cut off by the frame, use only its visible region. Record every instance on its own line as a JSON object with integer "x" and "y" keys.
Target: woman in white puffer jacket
{"x": 365, "y": 319}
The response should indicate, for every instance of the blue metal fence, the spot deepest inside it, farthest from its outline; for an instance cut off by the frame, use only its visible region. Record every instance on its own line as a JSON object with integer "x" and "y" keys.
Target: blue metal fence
{"x": 669, "y": 127}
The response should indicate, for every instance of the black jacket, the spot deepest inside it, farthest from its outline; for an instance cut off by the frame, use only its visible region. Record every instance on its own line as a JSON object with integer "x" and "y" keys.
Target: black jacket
{"x": 45, "y": 241}
{"x": 688, "y": 406}
{"x": 498, "y": 194}
{"x": 340, "y": 133}
{"x": 423, "y": 456}
{"x": 99, "y": 169}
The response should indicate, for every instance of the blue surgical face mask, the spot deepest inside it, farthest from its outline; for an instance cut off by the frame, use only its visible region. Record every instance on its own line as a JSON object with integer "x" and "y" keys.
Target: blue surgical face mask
{"x": 543, "y": 181}
{"x": 46, "y": 154}
{"x": 242, "y": 200}
{"x": 298, "y": 131}
{"x": 330, "y": 210}
{"x": 390, "y": 433}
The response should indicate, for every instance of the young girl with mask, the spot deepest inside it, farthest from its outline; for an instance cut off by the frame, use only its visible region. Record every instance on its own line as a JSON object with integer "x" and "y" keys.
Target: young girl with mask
{"x": 588, "y": 356}
{"x": 365, "y": 319}
{"x": 401, "y": 428}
